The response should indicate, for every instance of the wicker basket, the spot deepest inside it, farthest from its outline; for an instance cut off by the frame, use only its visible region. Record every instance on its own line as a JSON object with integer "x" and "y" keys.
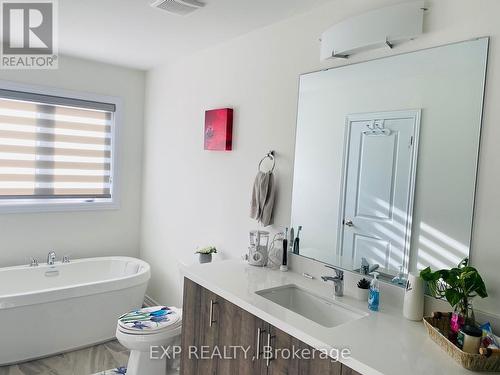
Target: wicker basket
{"x": 438, "y": 328}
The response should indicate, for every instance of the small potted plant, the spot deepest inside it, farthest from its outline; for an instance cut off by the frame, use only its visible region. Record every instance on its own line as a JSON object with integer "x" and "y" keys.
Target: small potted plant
{"x": 458, "y": 286}
{"x": 206, "y": 254}
{"x": 362, "y": 290}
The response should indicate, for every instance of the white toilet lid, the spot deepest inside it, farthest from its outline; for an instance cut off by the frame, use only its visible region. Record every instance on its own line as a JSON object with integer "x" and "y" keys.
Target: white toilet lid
{"x": 150, "y": 320}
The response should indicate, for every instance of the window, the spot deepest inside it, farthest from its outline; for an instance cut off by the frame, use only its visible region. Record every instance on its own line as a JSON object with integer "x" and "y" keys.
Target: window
{"x": 55, "y": 152}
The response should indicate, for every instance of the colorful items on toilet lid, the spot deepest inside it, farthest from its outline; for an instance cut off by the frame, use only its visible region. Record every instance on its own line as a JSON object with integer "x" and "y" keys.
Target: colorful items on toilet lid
{"x": 150, "y": 319}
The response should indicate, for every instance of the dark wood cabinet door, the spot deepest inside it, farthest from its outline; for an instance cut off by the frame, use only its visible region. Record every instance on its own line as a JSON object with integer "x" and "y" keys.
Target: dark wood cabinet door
{"x": 190, "y": 324}
{"x": 238, "y": 337}
{"x": 318, "y": 364}
{"x": 347, "y": 371}
{"x": 207, "y": 340}
{"x": 293, "y": 357}
{"x": 199, "y": 330}
{"x": 282, "y": 345}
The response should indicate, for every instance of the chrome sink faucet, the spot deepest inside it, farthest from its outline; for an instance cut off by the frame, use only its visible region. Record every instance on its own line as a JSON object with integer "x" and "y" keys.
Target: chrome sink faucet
{"x": 51, "y": 258}
{"x": 366, "y": 269}
{"x": 338, "y": 281}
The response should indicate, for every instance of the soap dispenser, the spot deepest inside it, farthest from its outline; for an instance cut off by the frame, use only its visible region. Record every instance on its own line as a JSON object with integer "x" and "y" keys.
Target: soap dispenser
{"x": 374, "y": 296}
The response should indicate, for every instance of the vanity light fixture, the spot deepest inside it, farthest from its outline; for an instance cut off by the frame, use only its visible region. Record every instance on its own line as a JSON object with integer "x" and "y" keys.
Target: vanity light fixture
{"x": 377, "y": 28}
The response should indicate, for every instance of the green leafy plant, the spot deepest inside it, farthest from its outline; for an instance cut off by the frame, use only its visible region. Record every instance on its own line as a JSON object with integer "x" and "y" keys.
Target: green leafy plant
{"x": 206, "y": 250}
{"x": 458, "y": 286}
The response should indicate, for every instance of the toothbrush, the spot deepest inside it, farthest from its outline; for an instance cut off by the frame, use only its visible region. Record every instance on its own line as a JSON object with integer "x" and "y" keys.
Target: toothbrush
{"x": 296, "y": 243}
{"x": 284, "y": 266}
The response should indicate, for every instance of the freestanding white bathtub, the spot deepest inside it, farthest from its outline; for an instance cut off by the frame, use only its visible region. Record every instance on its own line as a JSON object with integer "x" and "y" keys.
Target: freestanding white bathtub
{"x": 46, "y": 310}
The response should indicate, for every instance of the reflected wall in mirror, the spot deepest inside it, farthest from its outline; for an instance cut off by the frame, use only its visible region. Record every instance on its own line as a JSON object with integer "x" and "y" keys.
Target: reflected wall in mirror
{"x": 386, "y": 159}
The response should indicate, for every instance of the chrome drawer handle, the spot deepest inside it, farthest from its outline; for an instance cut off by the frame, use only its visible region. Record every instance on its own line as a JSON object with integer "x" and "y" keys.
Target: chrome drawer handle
{"x": 270, "y": 354}
{"x": 259, "y": 334}
{"x": 211, "y": 317}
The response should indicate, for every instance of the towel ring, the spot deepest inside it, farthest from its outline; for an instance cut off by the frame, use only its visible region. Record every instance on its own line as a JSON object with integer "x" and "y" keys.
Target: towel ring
{"x": 269, "y": 155}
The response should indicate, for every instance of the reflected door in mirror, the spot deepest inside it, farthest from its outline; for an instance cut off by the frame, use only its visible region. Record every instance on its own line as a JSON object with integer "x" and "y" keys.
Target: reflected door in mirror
{"x": 379, "y": 174}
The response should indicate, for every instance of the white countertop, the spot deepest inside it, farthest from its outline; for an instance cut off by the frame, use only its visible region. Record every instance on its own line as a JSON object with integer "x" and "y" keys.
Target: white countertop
{"x": 383, "y": 343}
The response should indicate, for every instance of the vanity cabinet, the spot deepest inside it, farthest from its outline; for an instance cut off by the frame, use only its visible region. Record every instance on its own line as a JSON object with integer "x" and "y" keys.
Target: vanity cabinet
{"x": 215, "y": 332}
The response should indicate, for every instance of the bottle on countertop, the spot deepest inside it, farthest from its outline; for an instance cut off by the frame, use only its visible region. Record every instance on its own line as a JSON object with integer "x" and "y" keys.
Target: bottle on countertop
{"x": 413, "y": 306}
{"x": 400, "y": 277}
{"x": 374, "y": 296}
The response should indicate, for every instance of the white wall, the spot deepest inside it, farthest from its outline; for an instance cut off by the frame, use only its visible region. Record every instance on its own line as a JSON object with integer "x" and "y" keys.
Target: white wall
{"x": 92, "y": 233}
{"x": 194, "y": 198}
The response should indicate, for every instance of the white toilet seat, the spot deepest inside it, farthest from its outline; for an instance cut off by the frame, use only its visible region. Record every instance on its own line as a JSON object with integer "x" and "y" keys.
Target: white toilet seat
{"x": 140, "y": 341}
{"x": 137, "y": 338}
{"x": 165, "y": 332}
{"x": 143, "y": 321}
{"x": 173, "y": 327}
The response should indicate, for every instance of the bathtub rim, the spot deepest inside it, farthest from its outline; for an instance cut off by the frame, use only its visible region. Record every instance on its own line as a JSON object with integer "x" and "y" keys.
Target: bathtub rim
{"x": 10, "y": 301}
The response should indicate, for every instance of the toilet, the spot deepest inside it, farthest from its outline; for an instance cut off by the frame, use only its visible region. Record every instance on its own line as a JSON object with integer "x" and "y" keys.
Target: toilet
{"x": 158, "y": 327}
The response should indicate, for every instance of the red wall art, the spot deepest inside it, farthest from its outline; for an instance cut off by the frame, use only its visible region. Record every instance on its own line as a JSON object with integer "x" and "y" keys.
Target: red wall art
{"x": 219, "y": 129}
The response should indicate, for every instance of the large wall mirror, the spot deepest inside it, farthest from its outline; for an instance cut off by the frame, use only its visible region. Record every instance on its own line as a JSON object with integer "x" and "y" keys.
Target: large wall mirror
{"x": 386, "y": 160}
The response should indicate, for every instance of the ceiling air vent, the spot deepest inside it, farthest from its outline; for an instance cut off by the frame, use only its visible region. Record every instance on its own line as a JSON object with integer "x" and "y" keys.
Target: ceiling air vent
{"x": 179, "y": 7}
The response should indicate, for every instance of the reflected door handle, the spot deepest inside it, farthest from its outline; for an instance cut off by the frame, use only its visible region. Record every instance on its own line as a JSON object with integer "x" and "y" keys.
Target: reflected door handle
{"x": 348, "y": 222}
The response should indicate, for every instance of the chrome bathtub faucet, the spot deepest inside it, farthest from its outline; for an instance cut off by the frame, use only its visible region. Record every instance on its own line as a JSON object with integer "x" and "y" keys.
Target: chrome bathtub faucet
{"x": 51, "y": 258}
{"x": 338, "y": 281}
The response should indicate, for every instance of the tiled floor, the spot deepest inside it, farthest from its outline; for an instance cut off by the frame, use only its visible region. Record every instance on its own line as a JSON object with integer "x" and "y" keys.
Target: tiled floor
{"x": 81, "y": 362}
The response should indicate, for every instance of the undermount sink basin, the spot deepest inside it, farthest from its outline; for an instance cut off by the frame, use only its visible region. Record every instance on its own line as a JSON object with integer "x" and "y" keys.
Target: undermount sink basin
{"x": 323, "y": 311}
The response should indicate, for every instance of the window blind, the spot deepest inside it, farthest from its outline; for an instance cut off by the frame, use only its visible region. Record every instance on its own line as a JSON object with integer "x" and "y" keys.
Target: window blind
{"x": 52, "y": 147}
